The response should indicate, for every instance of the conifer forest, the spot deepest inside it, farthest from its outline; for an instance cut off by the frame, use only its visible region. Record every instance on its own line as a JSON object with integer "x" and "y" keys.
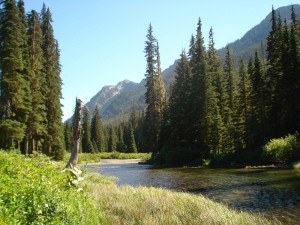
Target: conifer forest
{"x": 225, "y": 111}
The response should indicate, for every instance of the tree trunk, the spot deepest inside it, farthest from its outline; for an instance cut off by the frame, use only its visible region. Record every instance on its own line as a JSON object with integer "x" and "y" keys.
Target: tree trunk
{"x": 76, "y": 134}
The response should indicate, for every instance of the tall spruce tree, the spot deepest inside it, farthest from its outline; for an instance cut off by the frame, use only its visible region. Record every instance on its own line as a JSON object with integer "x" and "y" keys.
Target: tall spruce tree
{"x": 37, "y": 118}
{"x": 257, "y": 98}
{"x": 97, "y": 132}
{"x": 14, "y": 85}
{"x": 243, "y": 107}
{"x": 53, "y": 144}
{"x": 215, "y": 130}
{"x": 179, "y": 104}
{"x": 292, "y": 78}
{"x": 112, "y": 140}
{"x": 87, "y": 146}
{"x": 198, "y": 89}
{"x": 155, "y": 93}
{"x": 230, "y": 120}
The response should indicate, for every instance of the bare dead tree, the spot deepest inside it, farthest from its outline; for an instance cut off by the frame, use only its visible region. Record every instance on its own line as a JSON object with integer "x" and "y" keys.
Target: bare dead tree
{"x": 76, "y": 125}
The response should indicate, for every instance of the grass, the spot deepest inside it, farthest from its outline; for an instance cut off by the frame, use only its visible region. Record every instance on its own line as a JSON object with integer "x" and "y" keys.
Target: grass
{"x": 84, "y": 158}
{"x": 147, "y": 205}
{"x": 36, "y": 191}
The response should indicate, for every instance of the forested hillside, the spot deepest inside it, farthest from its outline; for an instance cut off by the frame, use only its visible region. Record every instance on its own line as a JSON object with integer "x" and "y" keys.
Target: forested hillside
{"x": 117, "y": 108}
{"x": 215, "y": 111}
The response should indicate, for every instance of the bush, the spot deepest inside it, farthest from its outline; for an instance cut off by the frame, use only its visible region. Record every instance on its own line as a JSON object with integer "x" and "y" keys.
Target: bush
{"x": 35, "y": 191}
{"x": 282, "y": 150}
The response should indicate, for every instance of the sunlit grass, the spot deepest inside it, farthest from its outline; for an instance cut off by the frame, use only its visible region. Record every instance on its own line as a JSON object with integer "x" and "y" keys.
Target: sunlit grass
{"x": 36, "y": 191}
{"x": 145, "y": 205}
{"x": 84, "y": 158}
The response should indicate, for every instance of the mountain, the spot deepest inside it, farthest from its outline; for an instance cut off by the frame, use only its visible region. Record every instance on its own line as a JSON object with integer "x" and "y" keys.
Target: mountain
{"x": 255, "y": 38}
{"x": 116, "y": 101}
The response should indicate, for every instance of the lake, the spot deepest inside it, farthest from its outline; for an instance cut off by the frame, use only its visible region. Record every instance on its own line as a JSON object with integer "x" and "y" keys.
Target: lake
{"x": 271, "y": 192}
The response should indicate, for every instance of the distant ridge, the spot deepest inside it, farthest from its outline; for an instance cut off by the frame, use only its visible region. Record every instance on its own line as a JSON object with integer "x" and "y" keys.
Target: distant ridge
{"x": 116, "y": 101}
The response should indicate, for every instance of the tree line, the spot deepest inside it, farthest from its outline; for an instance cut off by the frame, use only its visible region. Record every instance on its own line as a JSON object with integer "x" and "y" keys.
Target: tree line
{"x": 30, "y": 83}
{"x": 127, "y": 136}
{"x": 226, "y": 114}
{"x": 219, "y": 111}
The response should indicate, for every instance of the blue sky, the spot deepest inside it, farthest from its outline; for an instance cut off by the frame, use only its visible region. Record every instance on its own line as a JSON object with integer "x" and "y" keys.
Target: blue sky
{"x": 102, "y": 41}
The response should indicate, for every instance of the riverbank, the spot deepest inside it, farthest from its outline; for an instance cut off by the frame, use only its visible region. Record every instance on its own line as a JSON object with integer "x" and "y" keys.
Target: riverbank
{"x": 116, "y": 161}
{"x": 61, "y": 197}
{"x": 148, "y": 205}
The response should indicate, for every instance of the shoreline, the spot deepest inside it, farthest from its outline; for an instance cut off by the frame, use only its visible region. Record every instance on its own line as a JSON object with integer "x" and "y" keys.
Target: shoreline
{"x": 115, "y": 161}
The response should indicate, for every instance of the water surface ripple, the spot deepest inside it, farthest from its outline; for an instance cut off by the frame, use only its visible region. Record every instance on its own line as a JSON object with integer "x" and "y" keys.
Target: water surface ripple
{"x": 272, "y": 193}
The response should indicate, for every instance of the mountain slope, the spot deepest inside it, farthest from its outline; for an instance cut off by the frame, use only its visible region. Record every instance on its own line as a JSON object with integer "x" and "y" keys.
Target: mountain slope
{"x": 116, "y": 101}
{"x": 244, "y": 47}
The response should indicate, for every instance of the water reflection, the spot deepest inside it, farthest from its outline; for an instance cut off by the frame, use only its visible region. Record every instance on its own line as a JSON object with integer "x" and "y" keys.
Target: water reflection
{"x": 273, "y": 193}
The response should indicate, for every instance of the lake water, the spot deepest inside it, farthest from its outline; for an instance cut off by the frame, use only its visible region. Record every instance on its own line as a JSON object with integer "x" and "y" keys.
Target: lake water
{"x": 270, "y": 192}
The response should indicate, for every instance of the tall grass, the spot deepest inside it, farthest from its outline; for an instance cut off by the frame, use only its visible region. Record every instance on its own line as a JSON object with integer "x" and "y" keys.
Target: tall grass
{"x": 91, "y": 158}
{"x": 144, "y": 205}
{"x": 36, "y": 191}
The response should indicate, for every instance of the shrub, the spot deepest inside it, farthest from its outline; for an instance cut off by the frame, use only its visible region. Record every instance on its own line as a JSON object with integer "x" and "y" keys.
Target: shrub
{"x": 285, "y": 149}
{"x": 35, "y": 191}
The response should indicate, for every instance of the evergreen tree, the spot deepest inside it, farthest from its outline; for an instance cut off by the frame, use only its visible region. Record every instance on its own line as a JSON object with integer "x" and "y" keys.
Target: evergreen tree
{"x": 258, "y": 112}
{"x": 131, "y": 146}
{"x": 53, "y": 145}
{"x": 121, "y": 147}
{"x": 274, "y": 76}
{"x": 112, "y": 140}
{"x": 97, "y": 132}
{"x": 215, "y": 125}
{"x": 14, "y": 85}
{"x": 244, "y": 107}
{"x": 87, "y": 146}
{"x": 37, "y": 118}
{"x": 155, "y": 93}
{"x": 231, "y": 93}
{"x": 68, "y": 134}
{"x": 198, "y": 89}
{"x": 179, "y": 105}
{"x": 292, "y": 78}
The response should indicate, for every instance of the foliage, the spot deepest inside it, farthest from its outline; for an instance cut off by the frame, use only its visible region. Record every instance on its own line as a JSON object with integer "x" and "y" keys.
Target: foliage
{"x": 284, "y": 149}
{"x": 96, "y": 157}
{"x": 34, "y": 190}
{"x": 155, "y": 96}
{"x": 97, "y": 132}
{"x": 297, "y": 165}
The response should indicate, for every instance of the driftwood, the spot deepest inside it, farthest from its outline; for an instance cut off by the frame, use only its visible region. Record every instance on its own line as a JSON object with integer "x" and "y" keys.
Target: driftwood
{"x": 76, "y": 134}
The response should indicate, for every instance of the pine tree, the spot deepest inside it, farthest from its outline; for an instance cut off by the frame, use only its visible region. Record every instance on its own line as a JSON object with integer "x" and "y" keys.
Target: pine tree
{"x": 14, "y": 99}
{"x": 87, "y": 146}
{"x": 244, "y": 107}
{"x": 53, "y": 145}
{"x": 179, "y": 107}
{"x": 37, "y": 118}
{"x": 230, "y": 119}
{"x": 155, "y": 93}
{"x": 274, "y": 76}
{"x": 215, "y": 122}
{"x": 198, "y": 89}
{"x": 97, "y": 132}
{"x": 68, "y": 134}
{"x": 131, "y": 146}
{"x": 292, "y": 78}
{"x": 112, "y": 140}
{"x": 121, "y": 147}
{"x": 258, "y": 112}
